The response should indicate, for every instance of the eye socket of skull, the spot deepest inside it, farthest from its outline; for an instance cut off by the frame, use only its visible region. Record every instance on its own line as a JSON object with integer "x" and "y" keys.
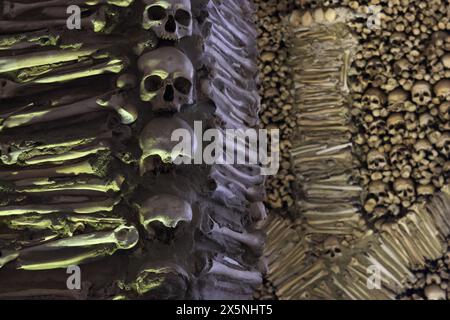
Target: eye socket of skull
{"x": 183, "y": 17}
{"x": 183, "y": 85}
{"x": 156, "y": 13}
{"x": 153, "y": 83}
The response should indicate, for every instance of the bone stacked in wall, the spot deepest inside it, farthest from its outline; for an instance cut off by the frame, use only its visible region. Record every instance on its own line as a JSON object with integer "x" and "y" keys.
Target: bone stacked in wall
{"x": 230, "y": 52}
{"x": 79, "y": 163}
{"x": 322, "y": 150}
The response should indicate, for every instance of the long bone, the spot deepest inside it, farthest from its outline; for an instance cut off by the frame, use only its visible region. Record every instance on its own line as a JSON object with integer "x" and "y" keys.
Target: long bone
{"x": 73, "y": 251}
{"x": 244, "y": 63}
{"x": 219, "y": 33}
{"x": 81, "y": 186}
{"x": 113, "y": 101}
{"x": 227, "y": 106}
{"x": 77, "y": 207}
{"x": 13, "y": 9}
{"x": 224, "y": 68}
{"x": 242, "y": 176}
{"x": 234, "y": 21}
{"x": 10, "y": 88}
{"x": 228, "y": 182}
{"x": 48, "y": 57}
{"x": 223, "y": 92}
{"x": 234, "y": 271}
{"x": 60, "y": 151}
{"x": 81, "y": 168}
{"x": 250, "y": 98}
{"x": 95, "y": 22}
{"x": 29, "y": 40}
{"x": 254, "y": 241}
{"x": 61, "y": 225}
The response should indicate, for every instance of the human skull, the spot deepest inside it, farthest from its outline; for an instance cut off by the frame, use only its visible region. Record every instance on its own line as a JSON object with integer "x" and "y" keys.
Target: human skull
{"x": 156, "y": 140}
{"x": 167, "y": 210}
{"x": 426, "y": 121}
{"x": 435, "y": 292}
{"x": 406, "y": 190}
{"x": 422, "y": 149}
{"x": 396, "y": 124}
{"x": 169, "y": 19}
{"x": 374, "y": 99}
{"x": 402, "y": 65}
{"x": 378, "y": 127}
{"x": 375, "y": 67}
{"x": 332, "y": 247}
{"x": 398, "y": 96}
{"x": 444, "y": 111}
{"x": 378, "y": 190}
{"x": 443, "y": 144}
{"x": 442, "y": 89}
{"x": 400, "y": 156}
{"x": 168, "y": 79}
{"x": 421, "y": 93}
{"x": 376, "y": 160}
{"x": 398, "y": 39}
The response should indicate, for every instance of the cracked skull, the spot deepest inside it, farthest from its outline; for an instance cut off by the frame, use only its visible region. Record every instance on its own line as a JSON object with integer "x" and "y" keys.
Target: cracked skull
{"x": 169, "y": 19}
{"x": 168, "y": 79}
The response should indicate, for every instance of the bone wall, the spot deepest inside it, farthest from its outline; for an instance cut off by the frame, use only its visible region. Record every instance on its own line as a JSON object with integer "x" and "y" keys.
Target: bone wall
{"x": 330, "y": 246}
{"x": 87, "y": 174}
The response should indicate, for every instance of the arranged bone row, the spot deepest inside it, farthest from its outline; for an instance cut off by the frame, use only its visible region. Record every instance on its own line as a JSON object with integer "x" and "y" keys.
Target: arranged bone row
{"x": 230, "y": 57}
{"x": 86, "y": 151}
{"x": 347, "y": 271}
{"x": 322, "y": 152}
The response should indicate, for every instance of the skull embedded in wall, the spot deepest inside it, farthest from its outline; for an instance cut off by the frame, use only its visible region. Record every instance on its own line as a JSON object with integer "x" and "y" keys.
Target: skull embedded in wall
{"x": 378, "y": 190}
{"x": 169, "y": 19}
{"x": 421, "y": 93}
{"x": 422, "y": 150}
{"x": 164, "y": 211}
{"x": 397, "y": 99}
{"x": 332, "y": 247}
{"x": 396, "y": 124}
{"x": 156, "y": 142}
{"x": 168, "y": 79}
{"x": 374, "y": 99}
{"x": 442, "y": 89}
{"x": 376, "y": 160}
{"x": 375, "y": 67}
{"x": 443, "y": 144}
{"x": 444, "y": 111}
{"x": 405, "y": 190}
{"x": 400, "y": 156}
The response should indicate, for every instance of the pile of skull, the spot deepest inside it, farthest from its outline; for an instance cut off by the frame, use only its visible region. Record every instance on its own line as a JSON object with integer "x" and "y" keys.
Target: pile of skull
{"x": 72, "y": 171}
{"x": 277, "y": 101}
{"x": 401, "y": 91}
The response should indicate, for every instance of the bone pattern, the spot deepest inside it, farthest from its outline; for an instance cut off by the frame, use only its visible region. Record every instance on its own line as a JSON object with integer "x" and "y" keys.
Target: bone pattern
{"x": 230, "y": 58}
{"x": 72, "y": 173}
{"x": 335, "y": 266}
